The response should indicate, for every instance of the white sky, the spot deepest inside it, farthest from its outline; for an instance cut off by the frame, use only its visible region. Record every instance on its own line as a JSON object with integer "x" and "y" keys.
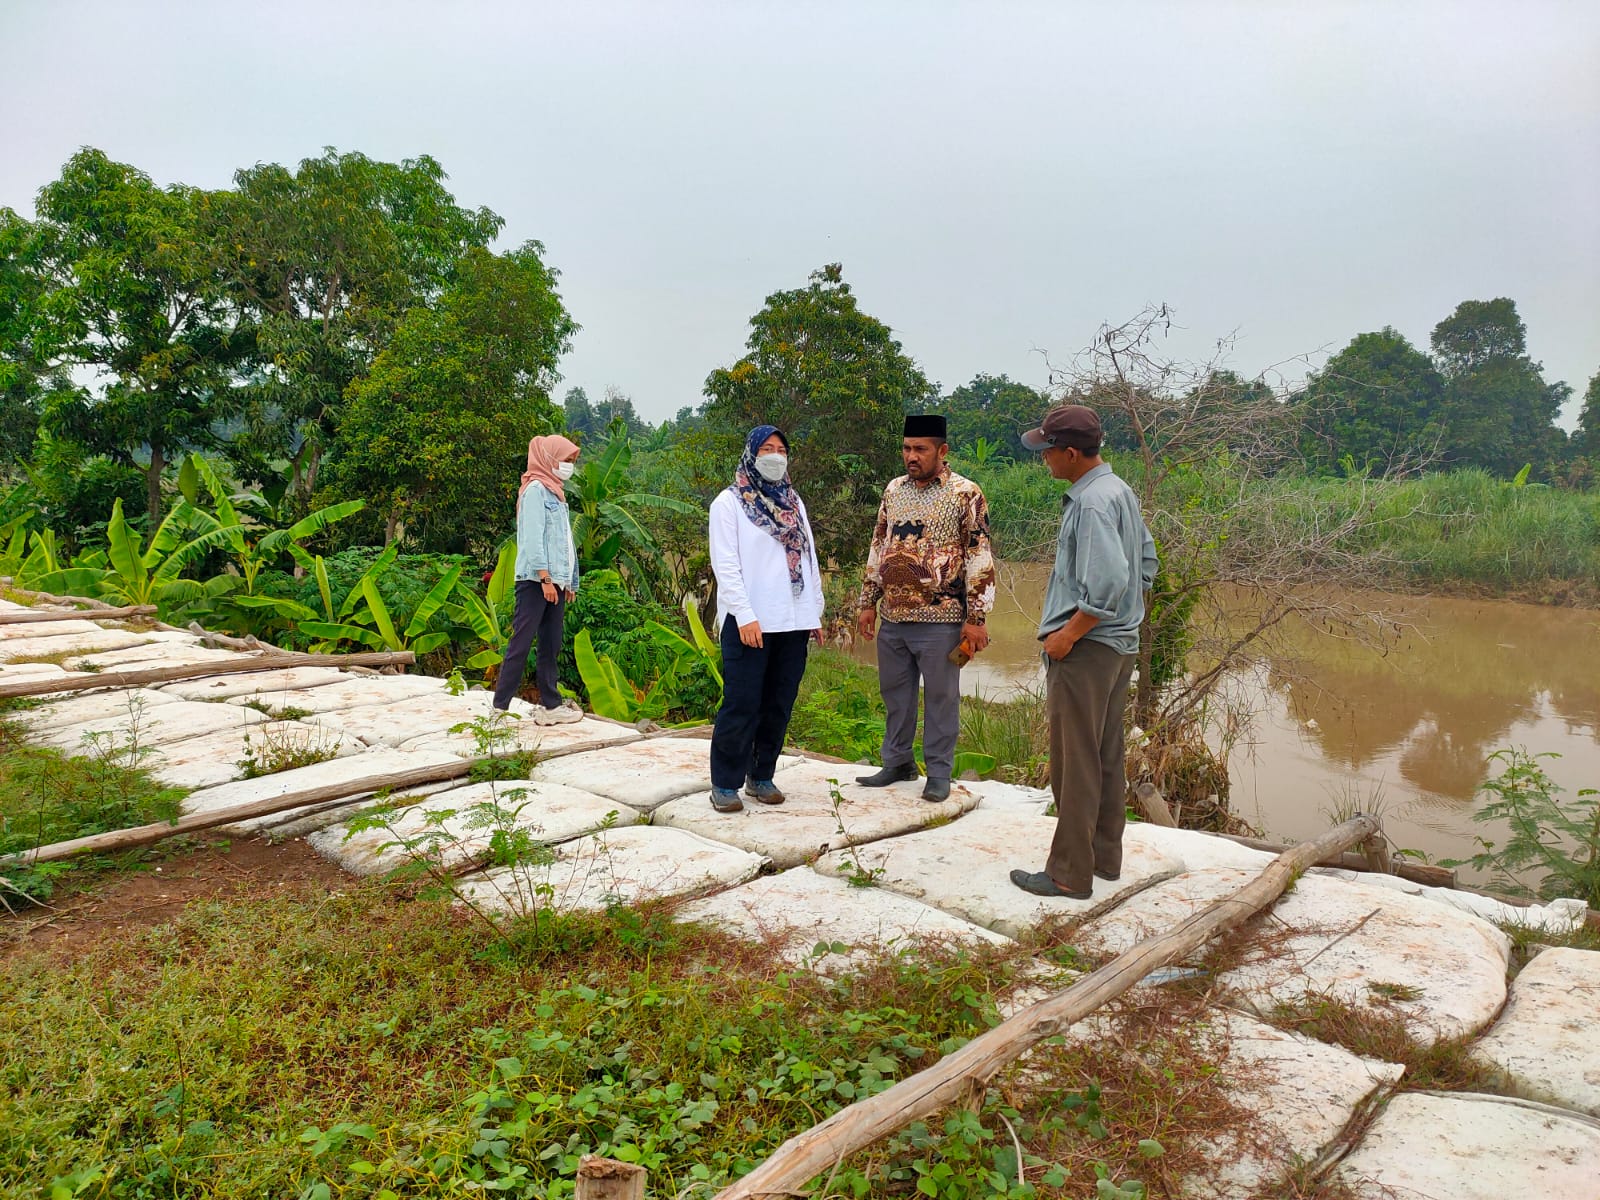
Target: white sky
{"x": 996, "y": 178}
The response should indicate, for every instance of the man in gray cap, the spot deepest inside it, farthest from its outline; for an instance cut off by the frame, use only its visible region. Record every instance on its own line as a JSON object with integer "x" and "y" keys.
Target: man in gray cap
{"x": 932, "y": 569}
{"x": 1093, "y": 607}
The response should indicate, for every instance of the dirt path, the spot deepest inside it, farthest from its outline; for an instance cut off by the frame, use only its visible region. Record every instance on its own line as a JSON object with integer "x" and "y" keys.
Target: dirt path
{"x": 244, "y": 867}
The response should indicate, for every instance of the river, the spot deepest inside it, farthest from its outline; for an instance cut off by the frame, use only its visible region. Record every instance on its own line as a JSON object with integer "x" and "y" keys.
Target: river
{"x": 1414, "y": 725}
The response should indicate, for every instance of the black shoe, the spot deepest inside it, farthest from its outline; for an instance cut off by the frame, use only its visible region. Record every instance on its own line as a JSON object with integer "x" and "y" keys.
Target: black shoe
{"x": 936, "y": 789}
{"x": 888, "y": 775}
{"x": 1099, "y": 874}
{"x": 1038, "y": 883}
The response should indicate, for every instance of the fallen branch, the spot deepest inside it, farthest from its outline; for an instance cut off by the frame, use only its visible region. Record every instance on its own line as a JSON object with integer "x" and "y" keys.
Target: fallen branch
{"x": 1351, "y": 861}
{"x": 969, "y": 1069}
{"x": 33, "y": 616}
{"x": 52, "y": 685}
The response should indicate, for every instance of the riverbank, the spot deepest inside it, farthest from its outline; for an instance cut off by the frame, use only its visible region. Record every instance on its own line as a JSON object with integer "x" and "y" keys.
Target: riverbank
{"x": 586, "y": 958}
{"x": 1459, "y": 533}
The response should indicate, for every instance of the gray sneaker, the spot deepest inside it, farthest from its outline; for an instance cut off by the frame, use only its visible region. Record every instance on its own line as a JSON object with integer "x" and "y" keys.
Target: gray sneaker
{"x": 762, "y": 791}
{"x": 566, "y": 713}
{"x": 726, "y": 800}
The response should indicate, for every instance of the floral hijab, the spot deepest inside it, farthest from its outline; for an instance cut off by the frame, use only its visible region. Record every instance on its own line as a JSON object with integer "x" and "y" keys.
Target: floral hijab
{"x": 774, "y": 507}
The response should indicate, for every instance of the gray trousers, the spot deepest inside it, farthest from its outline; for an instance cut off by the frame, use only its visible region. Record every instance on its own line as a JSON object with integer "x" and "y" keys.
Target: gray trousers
{"x": 909, "y": 651}
{"x": 1085, "y": 695}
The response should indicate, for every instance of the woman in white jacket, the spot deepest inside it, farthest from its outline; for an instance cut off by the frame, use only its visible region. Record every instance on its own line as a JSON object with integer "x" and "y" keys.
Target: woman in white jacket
{"x": 769, "y": 604}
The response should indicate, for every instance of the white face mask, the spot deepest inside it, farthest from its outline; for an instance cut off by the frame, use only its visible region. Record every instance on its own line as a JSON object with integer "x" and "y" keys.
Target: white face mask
{"x": 772, "y": 466}
{"x": 564, "y": 470}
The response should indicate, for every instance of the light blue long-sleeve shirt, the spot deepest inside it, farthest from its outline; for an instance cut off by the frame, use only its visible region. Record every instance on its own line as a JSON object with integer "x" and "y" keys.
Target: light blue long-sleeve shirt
{"x": 544, "y": 538}
{"x": 1105, "y": 561}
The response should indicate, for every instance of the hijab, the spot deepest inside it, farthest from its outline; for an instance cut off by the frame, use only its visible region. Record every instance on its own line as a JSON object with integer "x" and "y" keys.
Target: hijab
{"x": 543, "y": 455}
{"x": 774, "y": 507}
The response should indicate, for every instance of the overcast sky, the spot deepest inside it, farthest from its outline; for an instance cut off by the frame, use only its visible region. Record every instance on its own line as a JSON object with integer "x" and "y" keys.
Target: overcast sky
{"x": 997, "y": 178}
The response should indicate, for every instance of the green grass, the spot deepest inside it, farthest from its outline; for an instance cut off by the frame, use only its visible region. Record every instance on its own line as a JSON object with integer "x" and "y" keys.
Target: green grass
{"x": 1457, "y": 530}
{"x": 357, "y": 1043}
{"x": 47, "y": 796}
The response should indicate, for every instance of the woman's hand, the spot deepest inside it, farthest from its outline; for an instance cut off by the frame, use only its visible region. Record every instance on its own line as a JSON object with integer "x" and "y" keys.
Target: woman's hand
{"x": 570, "y": 595}
{"x": 549, "y": 590}
{"x": 750, "y": 634}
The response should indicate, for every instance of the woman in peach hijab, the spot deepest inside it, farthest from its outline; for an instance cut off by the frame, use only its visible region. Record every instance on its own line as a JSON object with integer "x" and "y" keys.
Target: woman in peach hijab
{"x": 547, "y": 577}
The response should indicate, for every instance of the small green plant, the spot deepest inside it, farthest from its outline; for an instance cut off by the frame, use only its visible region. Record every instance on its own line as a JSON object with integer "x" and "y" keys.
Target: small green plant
{"x": 1554, "y": 845}
{"x": 859, "y": 875}
{"x": 287, "y": 712}
{"x": 283, "y": 746}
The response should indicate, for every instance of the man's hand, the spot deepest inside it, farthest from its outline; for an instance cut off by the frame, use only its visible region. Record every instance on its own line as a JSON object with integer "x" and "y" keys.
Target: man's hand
{"x": 750, "y": 634}
{"x": 865, "y": 620}
{"x": 1058, "y": 643}
{"x": 977, "y": 636}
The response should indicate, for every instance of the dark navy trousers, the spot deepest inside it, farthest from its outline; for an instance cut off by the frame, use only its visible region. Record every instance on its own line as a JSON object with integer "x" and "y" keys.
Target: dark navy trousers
{"x": 759, "y": 685}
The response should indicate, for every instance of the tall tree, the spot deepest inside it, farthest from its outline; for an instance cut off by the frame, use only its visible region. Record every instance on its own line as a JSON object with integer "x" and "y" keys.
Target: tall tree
{"x": 131, "y": 300}
{"x": 1498, "y": 411}
{"x": 435, "y": 436}
{"x": 326, "y": 261}
{"x": 579, "y": 413}
{"x": 1378, "y": 400}
{"x": 835, "y": 380}
{"x": 1586, "y": 438}
{"x": 995, "y": 408}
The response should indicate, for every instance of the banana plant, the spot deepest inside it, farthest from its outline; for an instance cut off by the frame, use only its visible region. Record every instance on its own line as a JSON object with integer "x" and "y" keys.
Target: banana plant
{"x": 612, "y": 694}
{"x": 129, "y": 572}
{"x": 686, "y": 652}
{"x": 605, "y": 527}
{"x": 365, "y": 618}
{"x": 27, "y": 557}
{"x": 489, "y": 616}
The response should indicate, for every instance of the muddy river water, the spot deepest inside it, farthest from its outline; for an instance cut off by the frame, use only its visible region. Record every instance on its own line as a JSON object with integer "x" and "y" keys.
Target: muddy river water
{"x": 1414, "y": 725}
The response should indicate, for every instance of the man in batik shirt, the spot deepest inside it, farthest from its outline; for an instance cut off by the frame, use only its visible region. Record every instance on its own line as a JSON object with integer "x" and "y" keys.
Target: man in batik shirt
{"x": 932, "y": 570}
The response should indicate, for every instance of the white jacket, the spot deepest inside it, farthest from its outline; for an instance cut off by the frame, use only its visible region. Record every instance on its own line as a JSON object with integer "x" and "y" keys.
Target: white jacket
{"x": 752, "y": 572}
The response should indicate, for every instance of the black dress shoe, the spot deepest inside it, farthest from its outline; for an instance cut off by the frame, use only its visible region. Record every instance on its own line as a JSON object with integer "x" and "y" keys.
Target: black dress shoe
{"x": 888, "y": 775}
{"x": 1038, "y": 883}
{"x": 1109, "y": 878}
{"x": 936, "y": 789}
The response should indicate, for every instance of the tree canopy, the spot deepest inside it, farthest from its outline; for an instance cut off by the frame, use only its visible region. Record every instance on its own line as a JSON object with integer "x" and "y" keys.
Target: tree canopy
{"x": 435, "y": 436}
{"x": 1377, "y": 401}
{"x": 836, "y": 381}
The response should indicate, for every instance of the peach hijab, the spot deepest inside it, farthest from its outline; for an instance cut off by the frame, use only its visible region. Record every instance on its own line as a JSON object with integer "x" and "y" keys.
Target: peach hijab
{"x": 543, "y": 455}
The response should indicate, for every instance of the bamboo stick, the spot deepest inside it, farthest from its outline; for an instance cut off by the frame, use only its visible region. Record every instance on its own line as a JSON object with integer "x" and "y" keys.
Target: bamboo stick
{"x": 266, "y": 662}
{"x": 99, "y": 614}
{"x": 959, "y": 1075}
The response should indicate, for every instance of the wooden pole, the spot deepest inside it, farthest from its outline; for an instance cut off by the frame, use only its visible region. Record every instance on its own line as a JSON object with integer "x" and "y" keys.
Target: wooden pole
{"x": 607, "y": 1179}
{"x": 51, "y": 685}
{"x": 144, "y": 835}
{"x": 1153, "y": 806}
{"x": 33, "y": 616}
{"x": 1350, "y": 861}
{"x": 958, "y": 1075}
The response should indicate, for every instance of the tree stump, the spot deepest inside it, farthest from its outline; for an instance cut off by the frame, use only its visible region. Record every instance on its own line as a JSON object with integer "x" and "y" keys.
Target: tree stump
{"x": 607, "y": 1179}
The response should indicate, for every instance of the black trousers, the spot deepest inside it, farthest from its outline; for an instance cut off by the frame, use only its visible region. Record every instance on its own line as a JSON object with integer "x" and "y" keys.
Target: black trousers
{"x": 534, "y": 617}
{"x": 759, "y": 685}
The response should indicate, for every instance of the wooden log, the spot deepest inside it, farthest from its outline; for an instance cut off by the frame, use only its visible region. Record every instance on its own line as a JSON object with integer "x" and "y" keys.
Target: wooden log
{"x": 1423, "y": 873}
{"x": 1152, "y": 805}
{"x": 52, "y": 685}
{"x": 953, "y": 1077}
{"x": 99, "y": 614}
{"x": 607, "y": 1179}
{"x": 145, "y": 835}
{"x": 10, "y": 585}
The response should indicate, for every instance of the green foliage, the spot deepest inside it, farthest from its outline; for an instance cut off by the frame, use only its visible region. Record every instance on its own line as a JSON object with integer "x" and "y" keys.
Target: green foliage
{"x": 47, "y": 797}
{"x": 489, "y": 616}
{"x": 835, "y": 380}
{"x": 839, "y": 710}
{"x": 129, "y": 284}
{"x": 437, "y": 432}
{"x": 1378, "y": 401}
{"x": 471, "y": 1067}
{"x": 988, "y": 417}
{"x": 608, "y": 526}
{"x": 323, "y": 262}
{"x": 1553, "y": 846}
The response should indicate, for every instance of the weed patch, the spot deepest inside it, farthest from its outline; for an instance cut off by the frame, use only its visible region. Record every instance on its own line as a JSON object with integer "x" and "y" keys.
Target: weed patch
{"x": 1382, "y": 1033}
{"x": 283, "y": 747}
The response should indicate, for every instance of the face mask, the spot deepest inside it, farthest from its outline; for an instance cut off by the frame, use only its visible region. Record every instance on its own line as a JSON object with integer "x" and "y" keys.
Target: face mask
{"x": 564, "y": 470}
{"x": 772, "y": 466}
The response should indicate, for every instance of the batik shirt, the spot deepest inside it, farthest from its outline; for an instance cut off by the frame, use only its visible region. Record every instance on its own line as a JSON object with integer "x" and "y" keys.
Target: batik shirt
{"x": 931, "y": 560}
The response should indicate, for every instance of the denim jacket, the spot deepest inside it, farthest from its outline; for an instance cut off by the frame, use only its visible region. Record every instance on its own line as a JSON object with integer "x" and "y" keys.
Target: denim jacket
{"x": 544, "y": 538}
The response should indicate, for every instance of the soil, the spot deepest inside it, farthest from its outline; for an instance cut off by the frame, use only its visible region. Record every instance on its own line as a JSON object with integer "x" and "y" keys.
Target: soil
{"x": 241, "y": 868}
